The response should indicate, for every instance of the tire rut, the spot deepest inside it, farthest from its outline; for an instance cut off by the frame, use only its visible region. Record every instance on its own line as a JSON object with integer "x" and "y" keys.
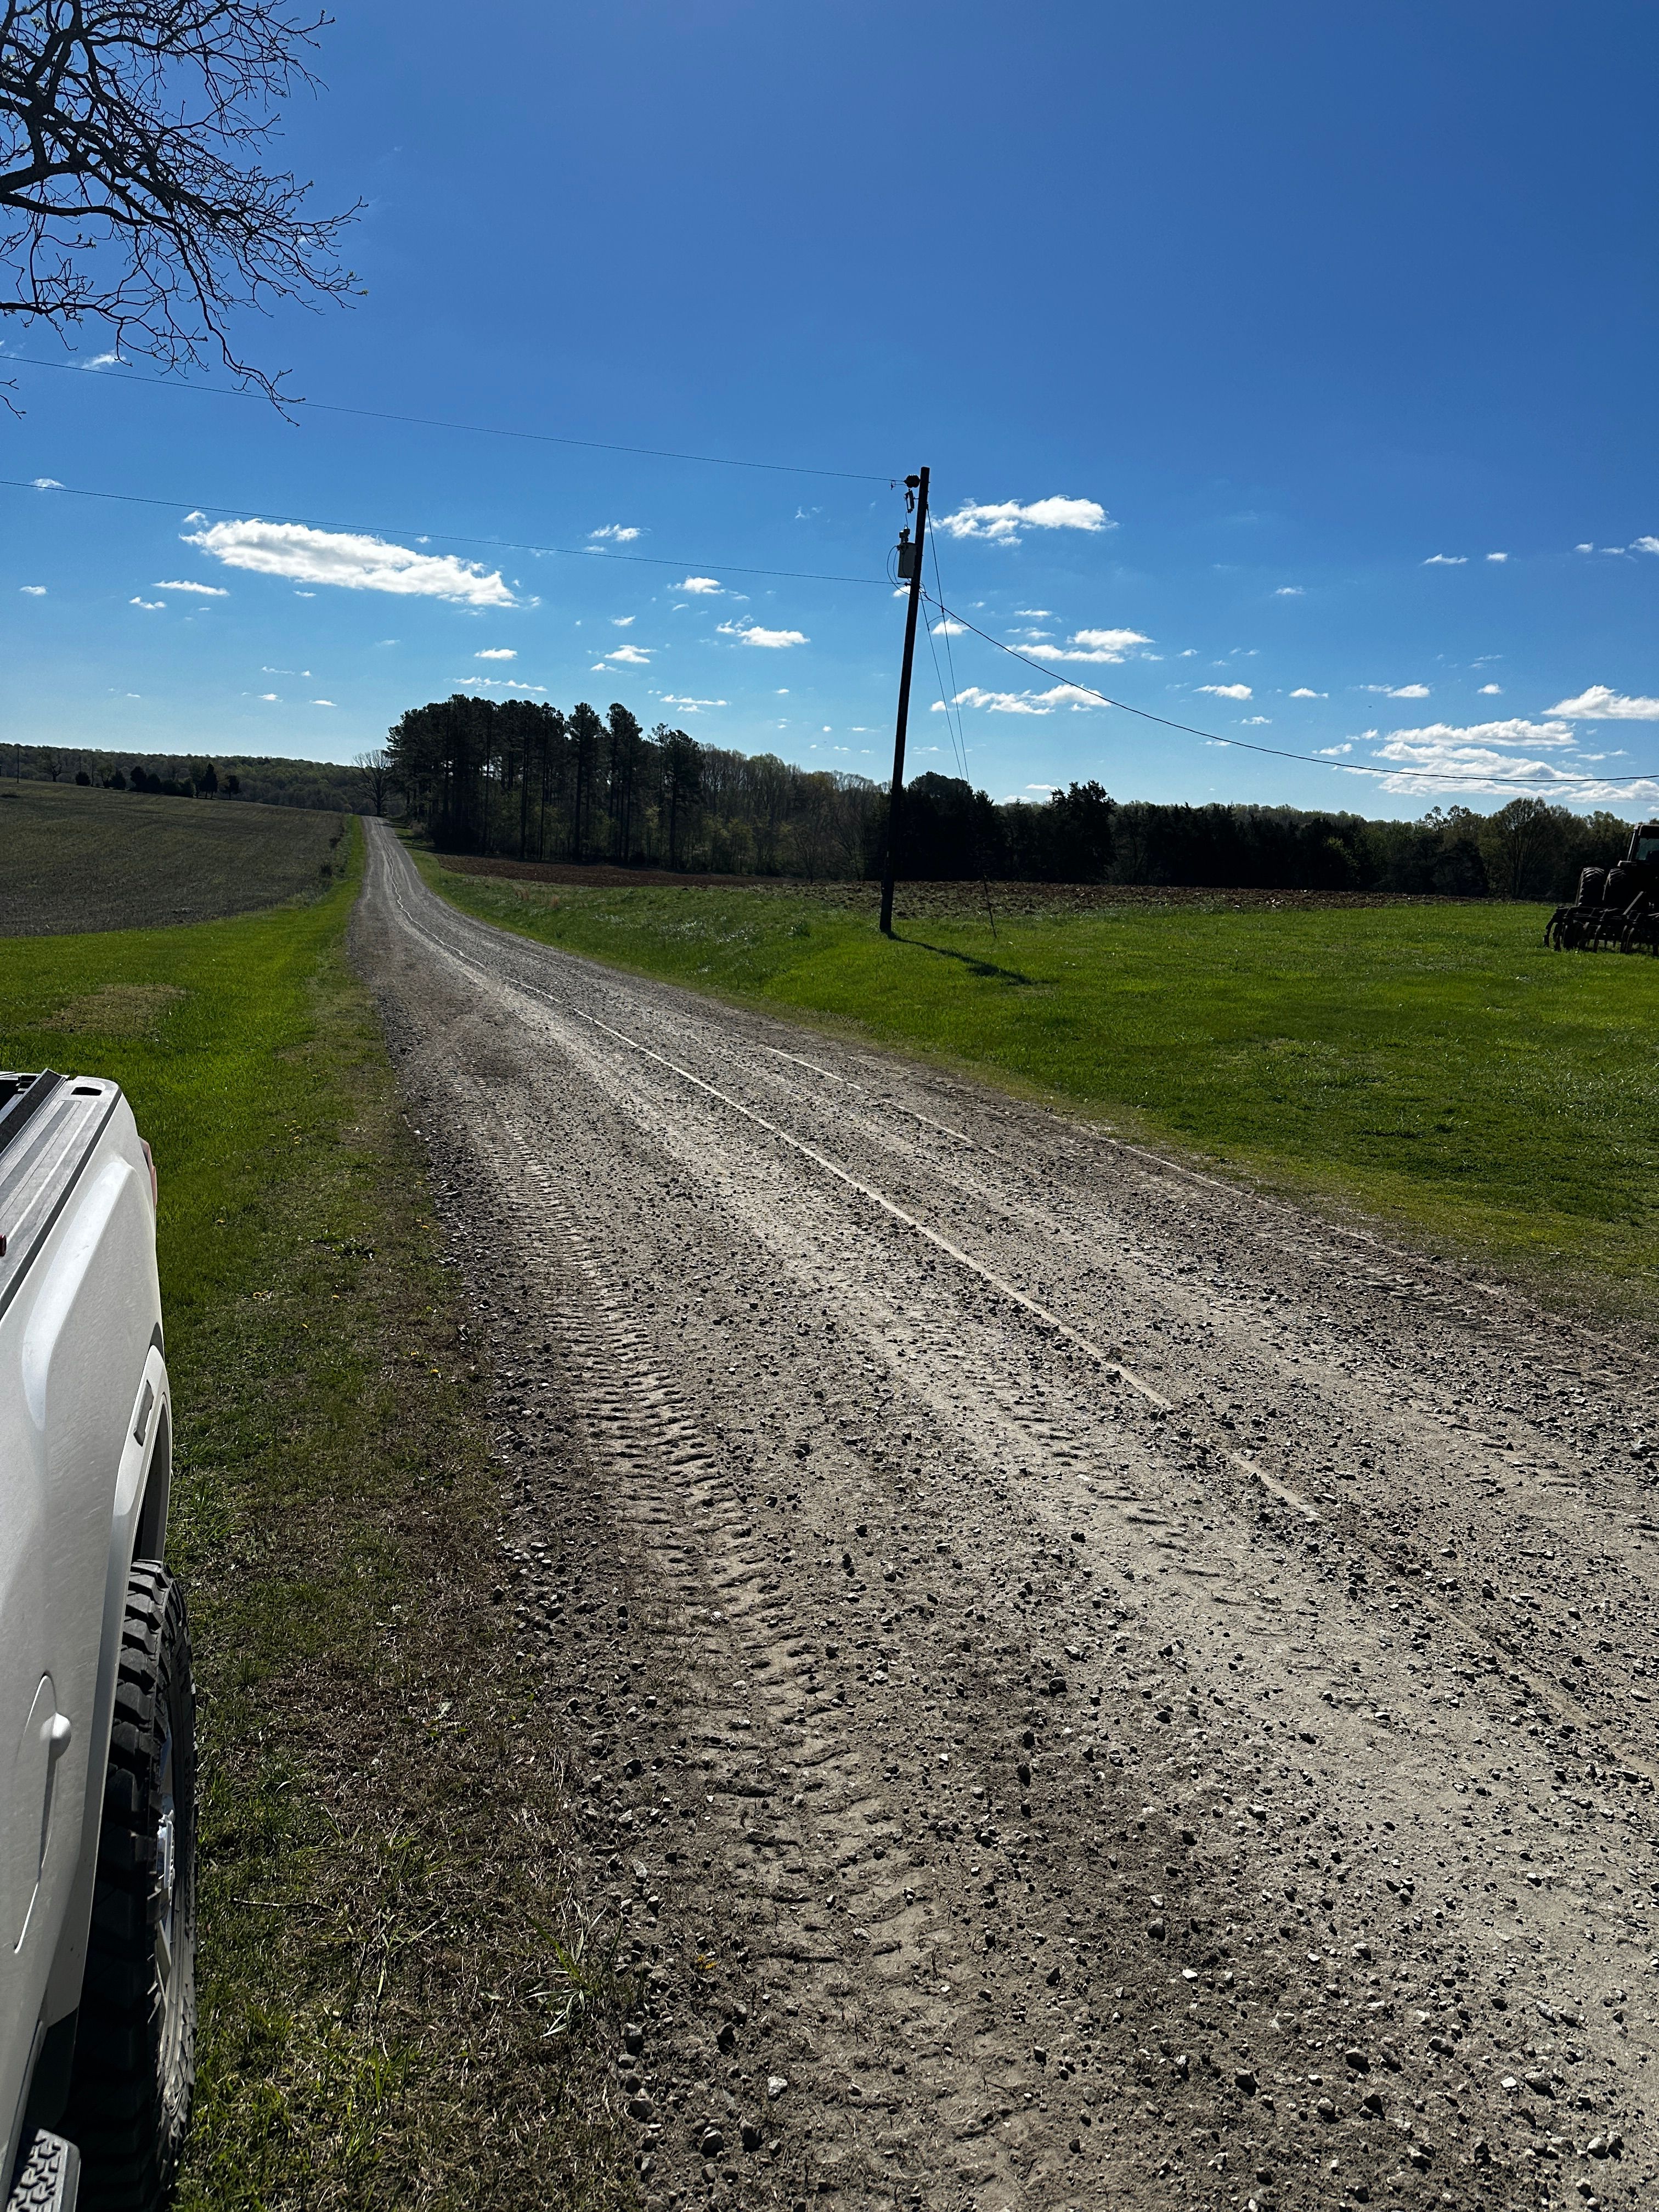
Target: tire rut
{"x": 1101, "y": 1803}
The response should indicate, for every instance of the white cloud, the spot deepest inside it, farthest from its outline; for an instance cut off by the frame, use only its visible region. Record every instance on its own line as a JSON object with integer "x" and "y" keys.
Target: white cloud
{"x": 949, "y": 629}
{"x": 1584, "y": 549}
{"x": 350, "y": 561}
{"x": 1303, "y": 692}
{"x": 1021, "y": 702}
{"x": 1599, "y": 704}
{"x": 630, "y": 656}
{"x": 1098, "y": 645}
{"x": 700, "y": 585}
{"x": 202, "y": 591}
{"x": 1255, "y": 722}
{"x": 1227, "y": 691}
{"x": 102, "y": 361}
{"x": 1446, "y": 560}
{"x": 1497, "y": 556}
{"x": 752, "y": 633}
{"x": 47, "y": 483}
{"x": 1645, "y": 545}
{"x": 691, "y": 706}
{"x": 499, "y": 684}
{"x": 322, "y": 703}
{"x": 1290, "y": 591}
{"x": 496, "y": 653}
{"x": 33, "y": 591}
{"x": 1482, "y": 755}
{"x": 619, "y": 533}
{"x": 1513, "y": 733}
{"x": 1036, "y": 614}
{"x": 149, "y": 606}
{"x": 1398, "y": 691}
{"x": 621, "y": 622}
{"x": 270, "y": 697}
{"x": 1003, "y": 522}
{"x": 1491, "y": 690}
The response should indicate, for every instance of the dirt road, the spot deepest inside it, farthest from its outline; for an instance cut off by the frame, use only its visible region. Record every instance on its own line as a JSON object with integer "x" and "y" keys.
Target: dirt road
{"x": 1084, "y": 1688}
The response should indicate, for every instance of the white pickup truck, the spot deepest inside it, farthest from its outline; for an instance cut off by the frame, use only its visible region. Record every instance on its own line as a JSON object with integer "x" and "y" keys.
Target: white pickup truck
{"x": 97, "y": 1711}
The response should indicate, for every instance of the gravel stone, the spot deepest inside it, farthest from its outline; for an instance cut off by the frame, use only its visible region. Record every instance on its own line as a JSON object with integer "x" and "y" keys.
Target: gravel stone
{"x": 736, "y": 1383}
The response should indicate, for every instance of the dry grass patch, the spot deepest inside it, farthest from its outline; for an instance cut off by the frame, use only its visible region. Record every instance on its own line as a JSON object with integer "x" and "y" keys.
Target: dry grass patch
{"x": 116, "y": 1010}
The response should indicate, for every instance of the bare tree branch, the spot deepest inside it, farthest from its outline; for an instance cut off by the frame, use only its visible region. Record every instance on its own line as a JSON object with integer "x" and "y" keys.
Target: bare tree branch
{"x": 130, "y": 190}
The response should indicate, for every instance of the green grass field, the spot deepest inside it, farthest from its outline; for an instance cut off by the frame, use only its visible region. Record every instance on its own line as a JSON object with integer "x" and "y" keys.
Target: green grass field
{"x": 73, "y": 859}
{"x": 381, "y": 1886}
{"x": 1429, "y": 1065}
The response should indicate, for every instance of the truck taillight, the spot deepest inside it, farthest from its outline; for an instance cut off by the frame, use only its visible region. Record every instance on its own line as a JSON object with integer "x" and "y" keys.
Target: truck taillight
{"x": 150, "y": 1162}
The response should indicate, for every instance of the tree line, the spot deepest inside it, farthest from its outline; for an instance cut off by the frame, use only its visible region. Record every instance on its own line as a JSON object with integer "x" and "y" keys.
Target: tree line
{"x": 537, "y": 783}
{"x": 1526, "y": 849}
{"x": 330, "y": 786}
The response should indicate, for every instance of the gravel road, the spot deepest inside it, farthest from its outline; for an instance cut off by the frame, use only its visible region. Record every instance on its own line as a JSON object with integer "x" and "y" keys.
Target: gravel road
{"x": 1082, "y": 1687}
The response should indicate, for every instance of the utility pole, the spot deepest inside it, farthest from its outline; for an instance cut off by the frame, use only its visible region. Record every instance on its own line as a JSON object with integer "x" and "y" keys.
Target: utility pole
{"x": 918, "y": 484}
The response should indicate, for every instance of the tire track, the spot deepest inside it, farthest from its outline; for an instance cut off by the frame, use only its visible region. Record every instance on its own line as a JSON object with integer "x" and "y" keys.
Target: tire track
{"x": 854, "y": 1475}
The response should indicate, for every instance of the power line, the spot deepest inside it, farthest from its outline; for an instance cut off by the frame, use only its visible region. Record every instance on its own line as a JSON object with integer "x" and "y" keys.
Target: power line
{"x": 958, "y": 736}
{"x": 1279, "y": 752}
{"x": 476, "y": 429}
{"x": 944, "y": 702}
{"x": 949, "y": 662}
{"x": 444, "y": 536}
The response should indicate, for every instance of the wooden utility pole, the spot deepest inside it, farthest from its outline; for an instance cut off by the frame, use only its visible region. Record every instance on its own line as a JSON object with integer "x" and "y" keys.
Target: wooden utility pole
{"x": 896, "y": 800}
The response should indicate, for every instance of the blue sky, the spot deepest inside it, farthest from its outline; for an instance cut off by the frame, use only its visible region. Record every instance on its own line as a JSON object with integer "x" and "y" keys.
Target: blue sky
{"x": 1241, "y": 342}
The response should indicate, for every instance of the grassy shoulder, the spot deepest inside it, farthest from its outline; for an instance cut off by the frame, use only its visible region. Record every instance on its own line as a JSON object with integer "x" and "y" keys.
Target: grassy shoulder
{"x": 1432, "y": 1068}
{"x": 382, "y": 1903}
{"x": 78, "y": 859}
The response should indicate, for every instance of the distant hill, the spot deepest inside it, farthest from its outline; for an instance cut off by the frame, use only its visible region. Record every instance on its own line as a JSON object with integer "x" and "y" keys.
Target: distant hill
{"x": 329, "y": 785}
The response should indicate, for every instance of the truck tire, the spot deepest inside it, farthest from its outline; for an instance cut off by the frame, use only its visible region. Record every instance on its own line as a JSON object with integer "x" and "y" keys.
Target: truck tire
{"x": 135, "y": 2057}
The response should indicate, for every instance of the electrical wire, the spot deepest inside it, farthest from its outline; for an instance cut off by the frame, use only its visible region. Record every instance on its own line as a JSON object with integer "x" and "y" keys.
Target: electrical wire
{"x": 435, "y": 423}
{"x": 958, "y": 736}
{"x": 444, "y": 536}
{"x": 959, "y": 756}
{"x": 951, "y": 706}
{"x": 1541, "y": 779}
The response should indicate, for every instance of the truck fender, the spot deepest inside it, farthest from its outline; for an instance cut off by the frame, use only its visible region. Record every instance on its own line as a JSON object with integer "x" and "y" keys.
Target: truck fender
{"x": 143, "y": 1483}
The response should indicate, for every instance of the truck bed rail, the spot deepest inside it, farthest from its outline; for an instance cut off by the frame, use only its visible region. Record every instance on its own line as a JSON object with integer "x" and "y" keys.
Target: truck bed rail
{"x": 50, "y": 1125}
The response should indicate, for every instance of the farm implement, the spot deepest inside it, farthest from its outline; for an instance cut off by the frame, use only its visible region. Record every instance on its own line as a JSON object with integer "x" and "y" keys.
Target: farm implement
{"x": 1617, "y": 909}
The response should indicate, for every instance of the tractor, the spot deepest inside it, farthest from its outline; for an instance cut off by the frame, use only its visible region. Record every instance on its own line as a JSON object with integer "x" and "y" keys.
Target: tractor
{"x": 1617, "y": 909}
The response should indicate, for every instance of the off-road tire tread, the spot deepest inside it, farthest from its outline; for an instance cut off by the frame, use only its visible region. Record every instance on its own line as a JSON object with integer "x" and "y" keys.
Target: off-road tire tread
{"x": 129, "y": 2142}
{"x": 46, "y": 2175}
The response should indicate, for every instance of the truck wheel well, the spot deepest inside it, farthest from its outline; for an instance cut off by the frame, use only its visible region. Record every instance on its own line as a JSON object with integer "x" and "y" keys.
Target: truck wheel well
{"x": 151, "y": 1535}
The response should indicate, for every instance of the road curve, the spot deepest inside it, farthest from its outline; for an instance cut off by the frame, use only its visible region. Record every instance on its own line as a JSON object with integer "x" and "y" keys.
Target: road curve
{"x": 1085, "y": 1687}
